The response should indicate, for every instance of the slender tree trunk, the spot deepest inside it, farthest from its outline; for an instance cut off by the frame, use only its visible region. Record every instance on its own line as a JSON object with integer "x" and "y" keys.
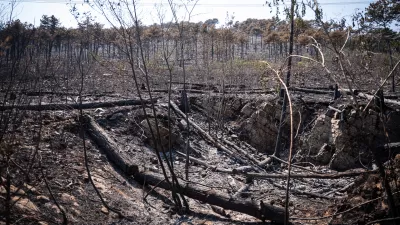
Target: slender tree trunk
{"x": 391, "y": 66}
{"x": 285, "y": 101}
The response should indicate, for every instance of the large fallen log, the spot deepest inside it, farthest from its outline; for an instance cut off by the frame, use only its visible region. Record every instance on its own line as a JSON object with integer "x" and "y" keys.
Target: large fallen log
{"x": 196, "y": 91}
{"x": 369, "y": 97}
{"x": 212, "y": 197}
{"x": 261, "y": 211}
{"x": 91, "y": 105}
{"x": 311, "y": 91}
{"x": 109, "y": 147}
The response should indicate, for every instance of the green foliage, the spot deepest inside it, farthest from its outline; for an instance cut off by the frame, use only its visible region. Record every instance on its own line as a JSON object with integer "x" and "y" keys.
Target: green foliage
{"x": 50, "y": 23}
{"x": 383, "y": 12}
{"x": 300, "y": 7}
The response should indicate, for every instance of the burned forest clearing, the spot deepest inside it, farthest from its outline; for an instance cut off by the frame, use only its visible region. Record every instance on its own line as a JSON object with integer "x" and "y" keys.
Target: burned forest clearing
{"x": 263, "y": 121}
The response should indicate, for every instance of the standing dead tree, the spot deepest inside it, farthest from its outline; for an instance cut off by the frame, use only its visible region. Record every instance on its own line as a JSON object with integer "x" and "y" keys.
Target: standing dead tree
{"x": 184, "y": 97}
{"x": 122, "y": 16}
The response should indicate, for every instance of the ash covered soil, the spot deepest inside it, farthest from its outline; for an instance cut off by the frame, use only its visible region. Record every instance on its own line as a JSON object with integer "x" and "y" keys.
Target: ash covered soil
{"x": 324, "y": 144}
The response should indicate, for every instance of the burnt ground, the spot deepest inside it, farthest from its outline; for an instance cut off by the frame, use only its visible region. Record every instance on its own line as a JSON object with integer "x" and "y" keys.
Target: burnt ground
{"x": 62, "y": 159}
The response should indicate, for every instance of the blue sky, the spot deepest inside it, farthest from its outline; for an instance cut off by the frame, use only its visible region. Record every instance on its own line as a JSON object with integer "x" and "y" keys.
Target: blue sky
{"x": 31, "y": 10}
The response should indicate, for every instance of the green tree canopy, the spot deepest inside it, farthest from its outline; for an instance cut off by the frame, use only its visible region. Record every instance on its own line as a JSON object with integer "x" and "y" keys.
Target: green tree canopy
{"x": 383, "y": 12}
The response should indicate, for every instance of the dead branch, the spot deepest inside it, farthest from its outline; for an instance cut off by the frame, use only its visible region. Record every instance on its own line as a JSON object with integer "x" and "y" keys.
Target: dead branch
{"x": 383, "y": 83}
{"x": 312, "y": 91}
{"x": 262, "y": 211}
{"x": 196, "y": 192}
{"x": 346, "y": 211}
{"x": 309, "y": 176}
{"x": 237, "y": 148}
{"x": 295, "y": 166}
{"x": 206, "y": 135}
{"x": 371, "y": 97}
{"x": 265, "y": 161}
{"x": 110, "y": 148}
{"x": 90, "y": 105}
{"x": 244, "y": 188}
{"x": 292, "y": 190}
{"x": 202, "y": 163}
{"x": 278, "y": 176}
{"x": 383, "y": 220}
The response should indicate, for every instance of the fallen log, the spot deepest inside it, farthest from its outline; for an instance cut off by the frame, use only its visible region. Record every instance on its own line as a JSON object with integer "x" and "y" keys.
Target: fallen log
{"x": 41, "y": 93}
{"x": 309, "y": 176}
{"x": 265, "y": 161}
{"x": 91, "y": 105}
{"x": 295, "y": 191}
{"x": 369, "y": 97}
{"x": 262, "y": 211}
{"x": 252, "y": 149}
{"x": 196, "y": 91}
{"x": 311, "y": 91}
{"x": 109, "y": 147}
{"x": 242, "y": 171}
{"x": 244, "y": 188}
{"x": 206, "y": 135}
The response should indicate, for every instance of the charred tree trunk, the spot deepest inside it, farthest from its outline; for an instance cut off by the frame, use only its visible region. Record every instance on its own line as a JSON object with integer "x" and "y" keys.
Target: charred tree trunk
{"x": 260, "y": 211}
{"x": 73, "y": 106}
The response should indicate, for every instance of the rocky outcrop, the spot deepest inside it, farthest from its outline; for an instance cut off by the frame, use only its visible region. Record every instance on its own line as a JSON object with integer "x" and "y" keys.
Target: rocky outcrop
{"x": 261, "y": 121}
{"x": 221, "y": 107}
{"x": 343, "y": 140}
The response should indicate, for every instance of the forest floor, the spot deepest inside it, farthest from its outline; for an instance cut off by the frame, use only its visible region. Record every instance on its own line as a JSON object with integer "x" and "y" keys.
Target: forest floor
{"x": 62, "y": 158}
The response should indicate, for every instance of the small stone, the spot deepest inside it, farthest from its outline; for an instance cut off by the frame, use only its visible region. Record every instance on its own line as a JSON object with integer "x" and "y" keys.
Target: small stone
{"x": 182, "y": 124}
{"x": 301, "y": 187}
{"x": 104, "y": 210}
{"x": 43, "y": 223}
{"x": 101, "y": 186}
{"x": 99, "y": 111}
{"x": 52, "y": 207}
{"x": 76, "y": 212}
{"x": 42, "y": 198}
{"x": 24, "y": 204}
{"x": 67, "y": 198}
{"x": 31, "y": 189}
{"x": 13, "y": 190}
